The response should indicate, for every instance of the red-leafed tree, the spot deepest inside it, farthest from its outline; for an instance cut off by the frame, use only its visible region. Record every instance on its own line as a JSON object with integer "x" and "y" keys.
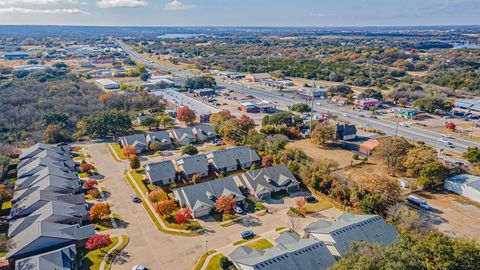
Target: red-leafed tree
{"x": 300, "y": 202}
{"x": 99, "y": 211}
{"x": 185, "y": 114}
{"x": 267, "y": 161}
{"x": 129, "y": 150}
{"x": 225, "y": 204}
{"x": 98, "y": 241}
{"x": 165, "y": 207}
{"x": 183, "y": 215}
{"x": 226, "y": 114}
{"x": 90, "y": 183}
{"x": 451, "y": 125}
{"x": 85, "y": 167}
{"x": 247, "y": 122}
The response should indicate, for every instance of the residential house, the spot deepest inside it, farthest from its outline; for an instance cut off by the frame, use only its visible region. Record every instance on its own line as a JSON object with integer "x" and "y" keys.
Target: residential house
{"x": 466, "y": 185}
{"x": 39, "y": 147}
{"x": 163, "y": 137}
{"x": 140, "y": 118}
{"x": 161, "y": 173}
{"x": 291, "y": 252}
{"x": 193, "y": 165}
{"x": 345, "y": 132}
{"x": 44, "y": 236}
{"x": 137, "y": 140}
{"x": 263, "y": 182}
{"x": 204, "y": 133}
{"x": 38, "y": 164}
{"x": 26, "y": 182}
{"x": 63, "y": 258}
{"x": 200, "y": 198}
{"x": 183, "y": 136}
{"x": 53, "y": 183}
{"x": 206, "y": 92}
{"x": 53, "y": 211}
{"x": 348, "y": 228}
{"x": 231, "y": 159}
{"x": 29, "y": 200}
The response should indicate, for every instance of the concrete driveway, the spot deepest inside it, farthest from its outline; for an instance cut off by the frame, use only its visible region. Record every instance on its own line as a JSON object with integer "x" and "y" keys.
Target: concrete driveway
{"x": 158, "y": 250}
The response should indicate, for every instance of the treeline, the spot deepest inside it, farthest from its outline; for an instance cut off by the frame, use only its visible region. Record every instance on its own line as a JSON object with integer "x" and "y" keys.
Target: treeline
{"x": 30, "y": 104}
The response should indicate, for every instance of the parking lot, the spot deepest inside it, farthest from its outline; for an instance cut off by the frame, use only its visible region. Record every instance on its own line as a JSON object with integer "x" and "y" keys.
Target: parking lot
{"x": 453, "y": 217}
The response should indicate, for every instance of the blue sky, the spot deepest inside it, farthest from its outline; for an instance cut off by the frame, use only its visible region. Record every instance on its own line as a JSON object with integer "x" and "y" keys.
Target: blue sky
{"x": 241, "y": 12}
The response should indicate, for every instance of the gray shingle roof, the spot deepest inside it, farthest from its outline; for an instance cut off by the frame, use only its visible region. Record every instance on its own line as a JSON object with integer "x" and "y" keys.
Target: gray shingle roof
{"x": 161, "y": 136}
{"x": 53, "y": 182}
{"x": 60, "y": 259}
{"x": 44, "y": 236}
{"x": 46, "y": 153}
{"x": 32, "y": 151}
{"x": 31, "y": 199}
{"x": 193, "y": 164}
{"x": 271, "y": 178}
{"x": 205, "y": 131}
{"x": 39, "y": 163}
{"x": 291, "y": 252}
{"x": 232, "y": 156}
{"x": 25, "y": 182}
{"x": 137, "y": 140}
{"x": 350, "y": 227}
{"x": 183, "y": 135}
{"x": 194, "y": 196}
{"x": 160, "y": 170}
{"x": 54, "y": 211}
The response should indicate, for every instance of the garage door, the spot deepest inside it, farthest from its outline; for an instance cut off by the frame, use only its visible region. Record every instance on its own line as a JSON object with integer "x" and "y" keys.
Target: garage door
{"x": 202, "y": 212}
{"x": 293, "y": 188}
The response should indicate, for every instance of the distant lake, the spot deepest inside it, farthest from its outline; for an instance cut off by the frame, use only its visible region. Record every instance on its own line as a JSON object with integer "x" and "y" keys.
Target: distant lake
{"x": 180, "y": 35}
{"x": 465, "y": 46}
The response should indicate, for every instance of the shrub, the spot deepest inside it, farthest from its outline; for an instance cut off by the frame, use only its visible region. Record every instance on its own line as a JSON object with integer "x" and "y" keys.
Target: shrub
{"x": 189, "y": 149}
{"x": 157, "y": 195}
{"x": 94, "y": 193}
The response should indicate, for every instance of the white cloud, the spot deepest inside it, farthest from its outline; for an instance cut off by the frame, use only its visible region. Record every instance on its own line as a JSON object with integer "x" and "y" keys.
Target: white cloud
{"x": 37, "y": 2}
{"x": 73, "y": 11}
{"x": 121, "y": 3}
{"x": 177, "y": 5}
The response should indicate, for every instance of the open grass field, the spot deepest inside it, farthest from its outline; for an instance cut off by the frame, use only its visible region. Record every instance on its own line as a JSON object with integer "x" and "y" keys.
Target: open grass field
{"x": 342, "y": 157}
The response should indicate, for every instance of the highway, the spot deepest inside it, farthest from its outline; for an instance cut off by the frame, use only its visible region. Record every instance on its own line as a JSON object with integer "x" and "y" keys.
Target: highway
{"x": 389, "y": 127}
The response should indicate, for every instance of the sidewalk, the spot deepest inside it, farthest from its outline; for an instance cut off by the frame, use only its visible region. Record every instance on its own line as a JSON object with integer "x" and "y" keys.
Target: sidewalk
{"x": 110, "y": 252}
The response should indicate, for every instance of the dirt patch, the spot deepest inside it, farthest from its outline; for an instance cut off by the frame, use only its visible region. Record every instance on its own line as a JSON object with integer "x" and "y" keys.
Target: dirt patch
{"x": 342, "y": 157}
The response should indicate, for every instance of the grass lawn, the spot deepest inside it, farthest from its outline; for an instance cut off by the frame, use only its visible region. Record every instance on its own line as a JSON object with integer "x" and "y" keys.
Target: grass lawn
{"x": 107, "y": 223}
{"x": 118, "y": 150}
{"x": 6, "y": 205}
{"x": 280, "y": 229}
{"x": 170, "y": 223}
{"x": 152, "y": 215}
{"x": 214, "y": 263}
{"x": 317, "y": 206}
{"x": 259, "y": 244}
{"x": 202, "y": 259}
{"x": 244, "y": 240}
{"x": 3, "y": 254}
{"x": 93, "y": 258}
{"x": 118, "y": 249}
{"x": 83, "y": 175}
{"x": 139, "y": 180}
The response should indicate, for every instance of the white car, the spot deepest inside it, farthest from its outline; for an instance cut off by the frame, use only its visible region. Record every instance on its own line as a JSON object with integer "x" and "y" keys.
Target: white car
{"x": 345, "y": 115}
{"x": 403, "y": 124}
{"x": 139, "y": 267}
{"x": 448, "y": 136}
{"x": 442, "y": 140}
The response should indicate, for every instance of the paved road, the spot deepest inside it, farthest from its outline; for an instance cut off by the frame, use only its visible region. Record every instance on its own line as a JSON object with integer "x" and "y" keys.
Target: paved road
{"x": 158, "y": 250}
{"x": 389, "y": 127}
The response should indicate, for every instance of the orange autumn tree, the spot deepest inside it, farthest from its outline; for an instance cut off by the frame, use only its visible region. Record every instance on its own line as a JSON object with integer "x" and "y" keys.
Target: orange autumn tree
{"x": 225, "y": 204}
{"x": 185, "y": 114}
{"x": 166, "y": 207}
{"x": 129, "y": 150}
{"x": 99, "y": 211}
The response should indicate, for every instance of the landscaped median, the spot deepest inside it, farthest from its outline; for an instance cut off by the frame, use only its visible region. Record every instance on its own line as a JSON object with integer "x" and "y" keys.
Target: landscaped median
{"x": 116, "y": 151}
{"x": 202, "y": 259}
{"x": 93, "y": 259}
{"x": 159, "y": 223}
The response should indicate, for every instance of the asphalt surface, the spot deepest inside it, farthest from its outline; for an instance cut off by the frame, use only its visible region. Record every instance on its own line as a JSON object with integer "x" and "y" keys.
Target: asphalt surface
{"x": 389, "y": 127}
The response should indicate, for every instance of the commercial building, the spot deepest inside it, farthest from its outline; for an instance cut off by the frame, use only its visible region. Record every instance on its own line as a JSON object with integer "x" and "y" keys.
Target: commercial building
{"x": 16, "y": 56}
{"x": 107, "y": 84}
{"x": 313, "y": 92}
{"x": 466, "y": 185}
{"x": 345, "y": 132}
{"x": 366, "y": 103}
{"x": 412, "y": 114}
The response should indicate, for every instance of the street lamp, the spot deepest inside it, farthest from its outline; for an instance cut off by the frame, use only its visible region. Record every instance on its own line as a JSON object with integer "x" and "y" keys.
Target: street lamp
{"x": 206, "y": 246}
